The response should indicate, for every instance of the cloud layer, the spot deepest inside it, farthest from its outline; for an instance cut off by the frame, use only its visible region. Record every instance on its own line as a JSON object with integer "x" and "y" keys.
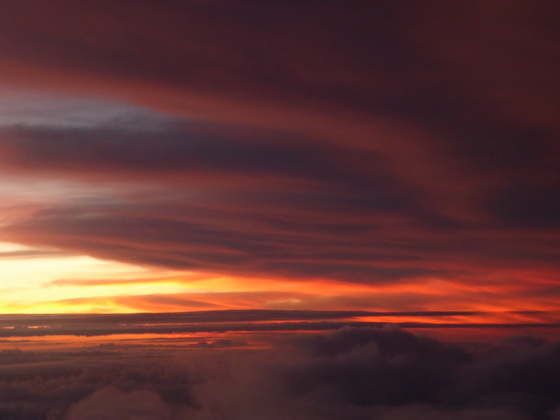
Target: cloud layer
{"x": 356, "y": 373}
{"x": 382, "y": 143}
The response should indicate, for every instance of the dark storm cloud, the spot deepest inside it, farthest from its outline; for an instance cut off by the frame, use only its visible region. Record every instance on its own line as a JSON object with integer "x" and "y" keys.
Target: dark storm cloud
{"x": 363, "y": 373}
{"x": 373, "y": 142}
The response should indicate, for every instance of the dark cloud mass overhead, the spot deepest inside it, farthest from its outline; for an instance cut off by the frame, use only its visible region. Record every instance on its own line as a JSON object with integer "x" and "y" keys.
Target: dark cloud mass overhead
{"x": 406, "y": 139}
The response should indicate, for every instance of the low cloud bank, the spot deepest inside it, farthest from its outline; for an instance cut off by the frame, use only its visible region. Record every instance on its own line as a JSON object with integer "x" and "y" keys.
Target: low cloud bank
{"x": 352, "y": 373}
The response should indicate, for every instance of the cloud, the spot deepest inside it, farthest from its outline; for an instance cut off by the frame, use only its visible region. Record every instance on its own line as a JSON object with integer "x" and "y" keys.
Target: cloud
{"x": 361, "y": 373}
{"x": 48, "y": 389}
{"x": 389, "y": 374}
{"x": 378, "y": 144}
{"x": 399, "y": 79}
{"x": 251, "y": 201}
{"x": 112, "y": 404}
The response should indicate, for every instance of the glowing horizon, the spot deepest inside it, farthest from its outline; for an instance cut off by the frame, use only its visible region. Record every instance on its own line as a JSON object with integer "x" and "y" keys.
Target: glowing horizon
{"x": 134, "y": 187}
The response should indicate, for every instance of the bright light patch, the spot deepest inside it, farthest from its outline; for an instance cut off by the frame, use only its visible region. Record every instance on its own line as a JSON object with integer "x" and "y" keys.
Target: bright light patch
{"x": 29, "y": 276}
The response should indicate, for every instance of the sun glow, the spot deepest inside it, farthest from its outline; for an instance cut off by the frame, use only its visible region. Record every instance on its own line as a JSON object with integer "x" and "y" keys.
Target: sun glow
{"x": 33, "y": 279}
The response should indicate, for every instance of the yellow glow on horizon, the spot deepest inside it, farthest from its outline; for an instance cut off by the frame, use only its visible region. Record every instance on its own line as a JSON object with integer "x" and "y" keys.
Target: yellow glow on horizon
{"x": 29, "y": 279}
{"x": 49, "y": 281}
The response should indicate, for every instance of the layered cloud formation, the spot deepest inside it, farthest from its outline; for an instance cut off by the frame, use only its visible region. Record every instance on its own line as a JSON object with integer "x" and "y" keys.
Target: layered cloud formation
{"x": 379, "y": 144}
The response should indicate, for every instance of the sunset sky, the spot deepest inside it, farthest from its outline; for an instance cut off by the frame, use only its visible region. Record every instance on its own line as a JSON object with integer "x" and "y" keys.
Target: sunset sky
{"x": 244, "y": 155}
{"x": 305, "y": 165}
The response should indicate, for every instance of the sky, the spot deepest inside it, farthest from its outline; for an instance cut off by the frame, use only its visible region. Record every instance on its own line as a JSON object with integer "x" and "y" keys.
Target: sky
{"x": 241, "y": 176}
